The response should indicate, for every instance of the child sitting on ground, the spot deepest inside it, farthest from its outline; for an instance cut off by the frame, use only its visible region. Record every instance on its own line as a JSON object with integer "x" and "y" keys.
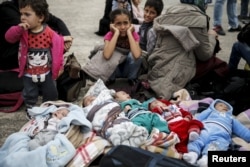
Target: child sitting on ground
{"x": 138, "y": 113}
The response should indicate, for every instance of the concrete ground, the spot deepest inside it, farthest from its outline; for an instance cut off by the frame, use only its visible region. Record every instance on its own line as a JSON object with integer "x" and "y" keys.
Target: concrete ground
{"x": 82, "y": 18}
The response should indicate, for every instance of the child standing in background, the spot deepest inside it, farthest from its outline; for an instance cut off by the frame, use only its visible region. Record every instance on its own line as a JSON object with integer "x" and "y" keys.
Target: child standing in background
{"x": 138, "y": 13}
{"x": 41, "y": 51}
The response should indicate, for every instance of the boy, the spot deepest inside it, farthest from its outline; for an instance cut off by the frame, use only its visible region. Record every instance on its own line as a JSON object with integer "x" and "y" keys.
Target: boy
{"x": 152, "y": 9}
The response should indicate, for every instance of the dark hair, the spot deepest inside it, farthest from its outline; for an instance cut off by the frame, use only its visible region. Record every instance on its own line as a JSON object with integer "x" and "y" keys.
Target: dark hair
{"x": 40, "y": 7}
{"x": 157, "y": 4}
{"x": 118, "y": 11}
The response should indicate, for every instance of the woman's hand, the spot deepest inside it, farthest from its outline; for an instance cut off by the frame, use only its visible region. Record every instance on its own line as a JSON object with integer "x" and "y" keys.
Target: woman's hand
{"x": 67, "y": 42}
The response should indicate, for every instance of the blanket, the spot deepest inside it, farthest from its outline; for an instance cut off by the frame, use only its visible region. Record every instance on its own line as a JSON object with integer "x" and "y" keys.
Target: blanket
{"x": 162, "y": 143}
{"x": 91, "y": 147}
{"x": 109, "y": 122}
{"x": 55, "y": 154}
{"x": 244, "y": 118}
{"x": 75, "y": 116}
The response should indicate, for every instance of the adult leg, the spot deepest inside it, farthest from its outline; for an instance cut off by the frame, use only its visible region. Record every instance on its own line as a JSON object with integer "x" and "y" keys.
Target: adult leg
{"x": 244, "y": 8}
{"x": 232, "y": 16}
{"x": 239, "y": 50}
{"x": 218, "y": 11}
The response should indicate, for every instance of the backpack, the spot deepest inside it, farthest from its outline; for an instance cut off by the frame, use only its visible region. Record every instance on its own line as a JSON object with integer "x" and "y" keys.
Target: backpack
{"x": 10, "y": 91}
{"x": 126, "y": 156}
{"x": 70, "y": 82}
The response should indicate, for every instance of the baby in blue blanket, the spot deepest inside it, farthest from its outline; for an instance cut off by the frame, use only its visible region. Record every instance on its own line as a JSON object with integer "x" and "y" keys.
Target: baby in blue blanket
{"x": 46, "y": 128}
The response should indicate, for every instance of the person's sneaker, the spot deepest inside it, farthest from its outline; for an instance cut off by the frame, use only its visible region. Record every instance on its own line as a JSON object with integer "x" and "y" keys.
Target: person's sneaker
{"x": 219, "y": 30}
{"x": 231, "y": 29}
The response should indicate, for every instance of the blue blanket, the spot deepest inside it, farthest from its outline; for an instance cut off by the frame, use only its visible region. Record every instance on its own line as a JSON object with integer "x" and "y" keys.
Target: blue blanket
{"x": 56, "y": 153}
{"x": 15, "y": 153}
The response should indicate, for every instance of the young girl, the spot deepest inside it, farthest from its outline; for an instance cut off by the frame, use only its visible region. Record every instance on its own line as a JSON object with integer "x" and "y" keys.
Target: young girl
{"x": 41, "y": 51}
{"x": 120, "y": 56}
{"x": 123, "y": 35}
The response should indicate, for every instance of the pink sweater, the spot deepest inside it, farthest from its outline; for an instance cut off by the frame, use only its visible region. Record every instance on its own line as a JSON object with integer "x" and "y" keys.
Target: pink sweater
{"x": 16, "y": 33}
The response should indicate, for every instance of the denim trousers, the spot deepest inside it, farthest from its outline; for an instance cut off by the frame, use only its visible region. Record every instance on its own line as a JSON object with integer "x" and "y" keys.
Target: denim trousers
{"x": 244, "y": 7}
{"x": 239, "y": 50}
{"x": 32, "y": 90}
{"x": 231, "y": 12}
{"x": 128, "y": 69}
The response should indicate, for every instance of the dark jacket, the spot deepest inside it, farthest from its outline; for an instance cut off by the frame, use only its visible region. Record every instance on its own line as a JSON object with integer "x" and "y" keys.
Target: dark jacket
{"x": 244, "y": 35}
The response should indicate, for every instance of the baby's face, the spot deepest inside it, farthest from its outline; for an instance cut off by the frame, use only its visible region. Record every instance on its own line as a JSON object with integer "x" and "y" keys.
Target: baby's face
{"x": 88, "y": 100}
{"x": 156, "y": 103}
{"x": 122, "y": 96}
{"x": 221, "y": 107}
{"x": 60, "y": 113}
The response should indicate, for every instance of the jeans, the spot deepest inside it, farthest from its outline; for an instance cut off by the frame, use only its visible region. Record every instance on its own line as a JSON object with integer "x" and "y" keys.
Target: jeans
{"x": 31, "y": 90}
{"x": 244, "y": 7}
{"x": 239, "y": 50}
{"x": 128, "y": 69}
{"x": 231, "y": 13}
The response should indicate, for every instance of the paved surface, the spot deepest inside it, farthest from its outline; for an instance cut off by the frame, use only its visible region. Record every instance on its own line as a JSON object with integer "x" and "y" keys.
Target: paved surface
{"x": 82, "y": 18}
